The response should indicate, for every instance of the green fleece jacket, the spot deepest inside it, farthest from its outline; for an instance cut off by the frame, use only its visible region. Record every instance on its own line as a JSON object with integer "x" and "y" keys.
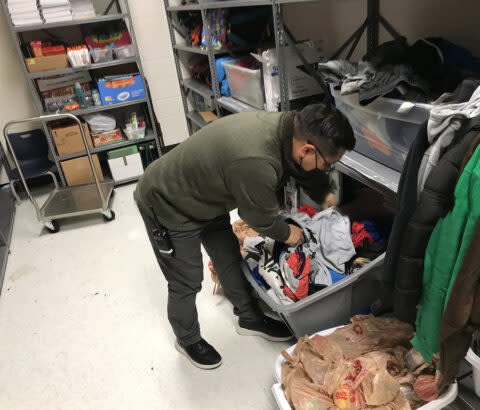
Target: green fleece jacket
{"x": 239, "y": 161}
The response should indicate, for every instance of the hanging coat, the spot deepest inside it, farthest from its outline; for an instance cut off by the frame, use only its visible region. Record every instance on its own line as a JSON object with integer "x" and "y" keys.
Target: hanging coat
{"x": 444, "y": 256}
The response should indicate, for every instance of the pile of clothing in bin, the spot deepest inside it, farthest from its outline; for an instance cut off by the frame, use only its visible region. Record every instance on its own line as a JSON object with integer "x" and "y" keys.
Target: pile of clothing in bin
{"x": 368, "y": 364}
{"x": 421, "y": 72}
{"x": 330, "y": 253}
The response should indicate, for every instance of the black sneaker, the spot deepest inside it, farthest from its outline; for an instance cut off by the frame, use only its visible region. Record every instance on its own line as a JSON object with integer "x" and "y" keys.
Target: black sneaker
{"x": 267, "y": 328}
{"x": 201, "y": 354}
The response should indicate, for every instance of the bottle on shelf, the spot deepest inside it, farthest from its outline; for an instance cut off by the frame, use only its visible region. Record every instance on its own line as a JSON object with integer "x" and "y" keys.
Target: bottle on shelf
{"x": 82, "y": 101}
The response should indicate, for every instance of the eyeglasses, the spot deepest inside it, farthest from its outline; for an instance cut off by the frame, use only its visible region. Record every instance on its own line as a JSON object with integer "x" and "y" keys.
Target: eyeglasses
{"x": 328, "y": 166}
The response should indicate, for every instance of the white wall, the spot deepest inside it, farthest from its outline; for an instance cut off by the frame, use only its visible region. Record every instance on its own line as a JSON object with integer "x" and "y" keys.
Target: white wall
{"x": 15, "y": 101}
{"x": 335, "y": 20}
{"x": 153, "y": 39}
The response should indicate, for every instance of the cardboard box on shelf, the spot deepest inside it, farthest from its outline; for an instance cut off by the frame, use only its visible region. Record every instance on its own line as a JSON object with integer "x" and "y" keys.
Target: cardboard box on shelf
{"x": 45, "y": 63}
{"x": 68, "y": 139}
{"x": 77, "y": 171}
{"x": 107, "y": 138}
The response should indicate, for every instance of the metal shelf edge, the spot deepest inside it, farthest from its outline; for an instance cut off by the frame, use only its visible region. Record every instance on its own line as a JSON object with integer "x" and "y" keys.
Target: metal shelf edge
{"x": 102, "y": 107}
{"x": 59, "y": 24}
{"x": 72, "y": 70}
{"x": 189, "y": 49}
{"x": 222, "y": 5}
{"x": 370, "y": 172}
{"x": 235, "y": 105}
{"x": 108, "y": 147}
{"x": 197, "y": 86}
{"x": 196, "y": 118}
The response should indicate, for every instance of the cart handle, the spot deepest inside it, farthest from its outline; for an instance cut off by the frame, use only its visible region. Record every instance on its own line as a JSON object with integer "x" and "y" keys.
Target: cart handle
{"x": 44, "y": 119}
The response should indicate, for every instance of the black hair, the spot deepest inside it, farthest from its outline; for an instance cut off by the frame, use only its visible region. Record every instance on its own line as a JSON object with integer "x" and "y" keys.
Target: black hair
{"x": 324, "y": 125}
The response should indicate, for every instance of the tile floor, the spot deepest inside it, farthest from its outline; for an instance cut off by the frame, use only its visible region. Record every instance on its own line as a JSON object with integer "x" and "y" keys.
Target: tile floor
{"x": 83, "y": 325}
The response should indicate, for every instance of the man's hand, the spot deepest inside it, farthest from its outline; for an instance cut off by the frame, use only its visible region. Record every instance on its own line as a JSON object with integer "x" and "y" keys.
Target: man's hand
{"x": 296, "y": 236}
{"x": 330, "y": 201}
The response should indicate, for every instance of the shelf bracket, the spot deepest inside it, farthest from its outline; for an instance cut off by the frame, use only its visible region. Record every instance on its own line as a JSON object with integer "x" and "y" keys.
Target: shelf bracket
{"x": 371, "y": 26}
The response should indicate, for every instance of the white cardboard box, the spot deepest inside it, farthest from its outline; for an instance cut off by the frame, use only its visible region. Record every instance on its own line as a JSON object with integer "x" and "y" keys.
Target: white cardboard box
{"x": 126, "y": 167}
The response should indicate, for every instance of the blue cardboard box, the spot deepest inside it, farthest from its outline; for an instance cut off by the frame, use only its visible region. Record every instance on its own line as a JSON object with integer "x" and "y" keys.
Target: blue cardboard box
{"x": 121, "y": 90}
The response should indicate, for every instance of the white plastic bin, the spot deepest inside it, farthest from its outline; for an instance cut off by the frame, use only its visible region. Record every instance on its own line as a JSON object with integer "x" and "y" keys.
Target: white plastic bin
{"x": 329, "y": 307}
{"x": 444, "y": 400}
{"x": 245, "y": 84}
{"x": 474, "y": 360}
{"x": 385, "y": 128}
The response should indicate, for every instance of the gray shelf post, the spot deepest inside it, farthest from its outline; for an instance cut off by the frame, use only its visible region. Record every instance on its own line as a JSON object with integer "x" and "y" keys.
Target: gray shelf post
{"x": 17, "y": 38}
{"x": 280, "y": 43}
{"x": 211, "y": 54}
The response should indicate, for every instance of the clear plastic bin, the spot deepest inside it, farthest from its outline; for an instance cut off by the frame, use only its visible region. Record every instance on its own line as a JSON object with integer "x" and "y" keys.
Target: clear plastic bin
{"x": 329, "y": 307}
{"x": 245, "y": 84}
{"x": 384, "y": 131}
{"x": 100, "y": 55}
{"x": 124, "y": 51}
{"x": 135, "y": 134}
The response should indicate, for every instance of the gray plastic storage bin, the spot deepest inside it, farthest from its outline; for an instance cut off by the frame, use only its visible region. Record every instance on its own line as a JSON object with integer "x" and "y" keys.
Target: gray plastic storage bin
{"x": 245, "y": 84}
{"x": 330, "y": 307}
{"x": 384, "y": 129}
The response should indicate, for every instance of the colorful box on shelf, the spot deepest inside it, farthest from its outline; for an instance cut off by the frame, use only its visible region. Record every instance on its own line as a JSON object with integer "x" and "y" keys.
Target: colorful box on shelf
{"x": 107, "y": 138}
{"x": 45, "y": 63}
{"x": 121, "y": 89}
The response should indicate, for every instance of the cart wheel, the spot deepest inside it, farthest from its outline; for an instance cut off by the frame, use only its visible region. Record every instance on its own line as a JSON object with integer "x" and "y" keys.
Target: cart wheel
{"x": 52, "y": 226}
{"x": 108, "y": 215}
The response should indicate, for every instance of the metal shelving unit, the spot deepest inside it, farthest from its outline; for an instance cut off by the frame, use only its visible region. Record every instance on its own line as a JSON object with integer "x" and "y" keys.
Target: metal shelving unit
{"x": 282, "y": 39}
{"x": 121, "y": 11}
{"x": 358, "y": 166}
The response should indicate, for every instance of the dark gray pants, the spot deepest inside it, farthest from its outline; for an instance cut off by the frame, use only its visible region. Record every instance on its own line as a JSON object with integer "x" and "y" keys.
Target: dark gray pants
{"x": 184, "y": 274}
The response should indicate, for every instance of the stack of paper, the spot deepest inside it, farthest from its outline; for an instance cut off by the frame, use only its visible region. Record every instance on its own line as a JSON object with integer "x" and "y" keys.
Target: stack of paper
{"x": 82, "y": 9}
{"x": 55, "y": 10}
{"x": 24, "y": 12}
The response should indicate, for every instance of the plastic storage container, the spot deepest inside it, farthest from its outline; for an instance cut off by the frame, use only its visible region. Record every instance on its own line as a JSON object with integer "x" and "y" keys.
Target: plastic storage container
{"x": 385, "y": 128}
{"x": 444, "y": 400}
{"x": 124, "y": 51}
{"x": 101, "y": 55}
{"x": 474, "y": 360}
{"x": 245, "y": 84}
{"x": 329, "y": 307}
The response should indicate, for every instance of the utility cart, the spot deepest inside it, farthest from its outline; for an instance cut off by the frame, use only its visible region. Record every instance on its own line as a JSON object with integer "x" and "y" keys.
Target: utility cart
{"x": 67, "y": 201}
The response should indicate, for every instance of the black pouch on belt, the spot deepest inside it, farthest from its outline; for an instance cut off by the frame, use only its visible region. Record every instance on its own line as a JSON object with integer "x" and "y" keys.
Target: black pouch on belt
{"x": 161, "y": 237}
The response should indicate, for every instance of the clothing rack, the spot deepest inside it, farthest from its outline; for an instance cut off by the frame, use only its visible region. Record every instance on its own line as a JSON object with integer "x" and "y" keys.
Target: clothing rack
{"x": 120, "y": 12}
